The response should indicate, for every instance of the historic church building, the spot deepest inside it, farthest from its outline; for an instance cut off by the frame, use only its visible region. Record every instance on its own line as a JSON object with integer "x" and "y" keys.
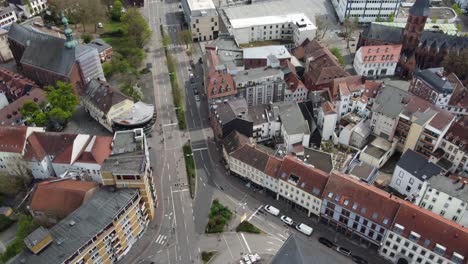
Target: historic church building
{"x": 421, "y": 48}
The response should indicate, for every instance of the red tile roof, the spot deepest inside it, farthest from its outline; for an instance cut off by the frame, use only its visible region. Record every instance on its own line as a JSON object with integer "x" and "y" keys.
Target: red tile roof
{"x": 40, "y": 144}
{"x": 379, "y": 54}
{"x": 460, "y": 93}
{"x": 306, "y": 49}
{"x": 273, "y": 166}
{"x": 10, "y": 113}
{"x": 328, "y": 108}
{"x": 309, "y": 176}
{"x": 458, "y": 135}
{"x": 434, "y": 228}
{"x": 220, "y": 85}
{"x": 14, "y": 85}
{"x": 440, "y": 120}
{"x": 293, "y": 82}
{"x": 63, "y": 196}
{"x": 12, "y": 138}
{"x": 356, "y": 83}
{"x": 363, "y": 195}
{"x": 100, "y": 151}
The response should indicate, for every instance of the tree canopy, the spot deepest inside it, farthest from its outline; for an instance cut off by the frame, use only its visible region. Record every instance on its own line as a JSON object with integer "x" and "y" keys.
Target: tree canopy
{"x": 136, "y": 28}
{"x": 457, "y": 63}
{"x": 116, "y": 11}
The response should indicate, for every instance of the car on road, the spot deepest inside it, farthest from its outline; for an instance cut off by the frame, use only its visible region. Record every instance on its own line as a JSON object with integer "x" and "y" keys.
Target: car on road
{"x": 358, "y": 259}
{"x": 197, "y": 98}
{"x": 326, "y": 242}
{"x": 287, "y": 220}
{"x": 352, "y": 38}
{"x": 344, "y": 251}
{"x": 305, "y": 229}
{"x": 272, "y": 210}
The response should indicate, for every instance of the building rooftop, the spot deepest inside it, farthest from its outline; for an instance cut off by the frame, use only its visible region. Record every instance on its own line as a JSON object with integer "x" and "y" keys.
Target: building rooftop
{"x": 125, "y": 164}
{"x": 99, "y": 44}
{"x": 275, "y": 19}
{"x": 263, "y": 52}
{"x": 140, "y": 113}
{"x": 418, "y": 166}
{"x": 291, "y": 118}
{"x": 62, "y": 196}
{"x": 458, "y": 135}
{"x": 234, "y": 141}
{"x": 251, "y": 155}
{"x": 380, "y": 54}
{"x": 227, "y": 111}
{"x": 15, "y": 85}
{"x": 258, "y": 114}
{"x": 127, "y": 141}
{"x": 454, "y": 186}
{"x": 435, "y": 79}
{"x": 103, "y": 95}
{"x": 255, "y": 74}
{"x": 363, "y": 171}
{"x": 81, "y": 226}
{"x": 200, "y": 5}
{"x": 390, "y": 101}
{"x": 319, "y": 159}
{"x": 378, "y": 147}
{"x": 12, "y": 138}
{"x": 449, "y": 29}
{"x": 36, "y": 237}
{"x": 328, "y": 108}
{"x": 9, "y": 115}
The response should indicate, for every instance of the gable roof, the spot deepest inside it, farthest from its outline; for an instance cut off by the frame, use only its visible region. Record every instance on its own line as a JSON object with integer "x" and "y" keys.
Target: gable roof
{"x": 436, "y": 82}
{"x": 63, "y": 196}
{"x": 252, "y": 156}
{"x": 10, "y": 115}
{"x": 380, "y": 54}
{"x": 293, "y": 82}
{"x": 273, "y": 166}
{"x": 418, "y": 166}
{"x": 294, "y": 250}
{"x": 234, "y": 141}
{"x": 311, "y": 179}
{"x": 434, "y": 228}
{"x": 103, "y": 95}
{"x": 361, "y": 198}
{"x": 97, "y": 150}
{"x": 12, "y": 138}
{"x": 41, "y": 144}
{"x": 458, "y": 135}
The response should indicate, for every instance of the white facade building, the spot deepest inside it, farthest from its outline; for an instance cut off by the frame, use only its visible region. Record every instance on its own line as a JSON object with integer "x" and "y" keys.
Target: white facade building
{"x": 202, "y": 17}
{"x": 447, "y": 197}
{"x": 326, "y": 120}
{"x": 377, "y": 61}
{"x": 294, "y": 127}
{"x": 7, "y": 16}
{"x": 365, "y": 11}
{"x": 291, "y": 27}
{"x": 5, "y": 52}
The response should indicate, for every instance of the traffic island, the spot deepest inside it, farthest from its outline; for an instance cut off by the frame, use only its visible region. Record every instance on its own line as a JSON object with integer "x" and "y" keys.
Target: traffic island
{"x": 218, "y": 218}
{"x": 207, "y": 256}
{"x": 247, "y": 227}
{"x": 190, "y": 168}
{"x": 177, "y": 95}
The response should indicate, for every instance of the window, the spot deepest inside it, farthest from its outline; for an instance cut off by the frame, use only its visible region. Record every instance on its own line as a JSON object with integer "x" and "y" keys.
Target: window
{"x": 414, "y": 236}
{"x": 408, "y": 188}
{"x": 375, "y": 215}
{"x": 439, "y": 249}
{"x": 411, "y": 180}
{"x": 346, "y": 202}
{"x": 330, "y": 195}
{"x": 355, "y": 206}
{"x": 398, "y": 182}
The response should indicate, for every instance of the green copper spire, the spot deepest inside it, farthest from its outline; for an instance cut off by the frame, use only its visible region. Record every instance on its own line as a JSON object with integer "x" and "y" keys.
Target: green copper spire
{"x": 70, "y": 43}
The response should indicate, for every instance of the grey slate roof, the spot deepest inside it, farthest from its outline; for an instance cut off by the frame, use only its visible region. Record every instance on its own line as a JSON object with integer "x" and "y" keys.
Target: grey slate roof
{"x": 257, "y": 114}
{"x": 234, "y": 141}
{"x": 36, "y": 236}
{"x": 321, "y": 160}
{"x": 449, "y": 186}
{"x": 383, "y": 32}
{"x": 420, "y": 8}
{"x": 125, "y": 164}
{"x": 256, "y": 73}
{"x": 390, "y": 101}
{"x": 103, "y": 95}
{"x": 435, "y": 81}
{"x": 90, "y": 218}
{"x": 292, "y": 118}
{"x": 99, "y": 44}
{"x": 228, "y": 111}
{"x": 418, "y": 166}
{"x": 45, "y": 51}
{"x": 252, "y": 156}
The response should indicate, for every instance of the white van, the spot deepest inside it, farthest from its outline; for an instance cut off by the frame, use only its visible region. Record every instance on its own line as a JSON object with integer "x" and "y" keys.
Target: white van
{"x": 272, "y": 210}
{"x": 305, "y": 229}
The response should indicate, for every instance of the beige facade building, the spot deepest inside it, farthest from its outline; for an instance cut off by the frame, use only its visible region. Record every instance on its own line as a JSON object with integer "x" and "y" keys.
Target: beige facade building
{"x": 202, "y": 17}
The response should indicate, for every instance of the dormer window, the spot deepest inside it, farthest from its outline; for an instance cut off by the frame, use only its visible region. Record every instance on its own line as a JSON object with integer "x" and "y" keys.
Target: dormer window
{"x": 228, "y": 88}
{"x": 398, "y": 229}
{"x": 214, "y": 91}
{"x": 391, "y": 57}
{"x": 374, "y": 58}
{"x": 414, "y": 236}
{"x": 386, "y": 49}
{"x": 222, "y": 80}
{"x": 378, "y": 50}
{"x": 369, "y": 50}
{"x": 439, "y": 249}
{"x": 214, "y": 81}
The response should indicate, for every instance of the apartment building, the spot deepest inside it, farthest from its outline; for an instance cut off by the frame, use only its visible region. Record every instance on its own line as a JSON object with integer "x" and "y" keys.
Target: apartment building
{"x": 293, "y": 28}
{"x": 377, "y": 61}
{"x": 411, "y": 171}
{"x": 202, "y": 17}
{"x": 260, "y": 85}
{"x": 29, "y": 8}
{"x": 274, "y": 56}
{"x": 386, "y": 109}
{"x": 365, "y": 11}
{"x": 301, "y": 184}
{"x": 417, "y": 235}
{"x": 359, "y": 210}
{"x": 295, "y": 127}
{"x": 102, "y": 230}
{"x": 7, "y": 16}
{"x": 378, "y": 152}
{"x": 12, "y": 148}
{"x": 219, "y": 82}
{"x": 326, "y": 120}
{"x": 452, "y": 154}
{"x": 5, "y": 52}
{"x": 295, "y": 89}
{"x": 447, "y": 197}
{"x": 229, "y": 116}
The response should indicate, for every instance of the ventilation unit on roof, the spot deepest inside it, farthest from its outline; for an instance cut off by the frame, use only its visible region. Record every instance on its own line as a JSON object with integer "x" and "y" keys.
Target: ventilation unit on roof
{"x": 71, "y": 223}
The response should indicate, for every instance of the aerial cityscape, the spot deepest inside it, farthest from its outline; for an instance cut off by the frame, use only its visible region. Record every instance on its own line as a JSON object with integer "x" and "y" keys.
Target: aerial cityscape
{"x": 234, "y": 131}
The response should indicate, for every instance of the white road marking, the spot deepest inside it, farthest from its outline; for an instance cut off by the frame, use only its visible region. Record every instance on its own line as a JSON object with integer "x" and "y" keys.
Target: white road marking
{"x": 204, "y": 185}
{"x": 170, "y": 124}
{"x": 246, "y": 244}
{"x": 281, "y": 235}
{"x": 229, "y": 249}
{"x": 254, "y": 213}
{"x": 197, "y": 149}
{"x": 169, "y": 177}
{"x": 182, "y": 190}
{"x": 173, "y": 208}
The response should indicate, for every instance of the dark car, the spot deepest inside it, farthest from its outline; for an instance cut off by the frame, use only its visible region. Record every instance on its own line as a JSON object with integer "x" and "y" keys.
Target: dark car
{"x": 326, "y": 242}
{"x": 344, "y": 251}
{"x": 359, "y": 260}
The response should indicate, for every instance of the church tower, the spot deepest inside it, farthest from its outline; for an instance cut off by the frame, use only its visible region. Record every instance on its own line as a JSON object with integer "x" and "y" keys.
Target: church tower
{"x": 70, "y": 42}
{"x": 418, "y": 15}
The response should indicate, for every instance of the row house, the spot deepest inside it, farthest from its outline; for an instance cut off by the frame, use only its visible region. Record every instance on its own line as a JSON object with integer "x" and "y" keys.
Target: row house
{"x": 295, "y": 89}
{"x": 13, "y": 147}
{"x": 358, "y": 209}
{"x": 301, "y": 184}
{"x": 260, "y": 85}
{"x": 447, "y": 197}
{"x": 453, "y": 152}
{"x": 326, "y": 120}
{"x": 219, "y": 83}
{"x": 417, "y": 235}
{"x": 377, "y": 61}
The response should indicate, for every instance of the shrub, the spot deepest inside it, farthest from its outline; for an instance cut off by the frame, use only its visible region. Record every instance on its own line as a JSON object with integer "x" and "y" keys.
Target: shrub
{"x": 339, "y": 57}
{"x": 87, "y": 38}
{"x": 207, "y": 255}
{"x": 218, "y": 217}
{"x": 247, "y": 227}
{"x": 5, "y": 222}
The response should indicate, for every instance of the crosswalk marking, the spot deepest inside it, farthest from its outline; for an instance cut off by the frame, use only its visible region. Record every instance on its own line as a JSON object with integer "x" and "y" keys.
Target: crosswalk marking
{"x": 160, "y": 239}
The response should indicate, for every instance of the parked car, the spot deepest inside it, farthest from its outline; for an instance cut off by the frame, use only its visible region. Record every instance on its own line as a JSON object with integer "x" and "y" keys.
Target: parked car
{"x": 305, "y": 229}
{"x": 197, "y": 98}
{"x": 287, "y": 220}
{"x": 326, "y": 242}
{"x": 99, "y": 25}
{"x": 272, "y": 210}
{"x": 359, "y": 260}
{"x": 195, "y": 91}
{"x": 344, "y": 251}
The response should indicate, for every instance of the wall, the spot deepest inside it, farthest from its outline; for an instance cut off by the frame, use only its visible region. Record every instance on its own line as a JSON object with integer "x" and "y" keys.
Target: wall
{"x": 12, "y": 163}
{"x": 5, "y": 52}
{"x": 402, "y": 179}
{"x": 383, "y": 126}
{"x": 204, "y": 28}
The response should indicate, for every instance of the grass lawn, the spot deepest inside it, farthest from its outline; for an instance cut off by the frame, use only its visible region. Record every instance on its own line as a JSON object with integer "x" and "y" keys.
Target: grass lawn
{"x": 218, "y": 217}
{"x": 112, "y": 34}
{"x": 207, "y": 255}
{"x": 247, "y": 227}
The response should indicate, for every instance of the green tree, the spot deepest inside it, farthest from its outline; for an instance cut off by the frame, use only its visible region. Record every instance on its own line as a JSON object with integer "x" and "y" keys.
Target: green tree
{"x": 136, "y": 28}
{"x": 434, "y": 20}
{"x": 116, "y": 11}
{"x": 379, "y": 19}
{"x": 457, "y": 63}
{"x": 457, "y": 9}
{"x": 29, "y": 109}
{"x": 87, "y": 38}
{"x": 459, "y": 27}
{"x": 185, "y": 36}
{"x": 391, "y": 17}
{"x": 350, "y": 25}
{"x": 62, "y": 97}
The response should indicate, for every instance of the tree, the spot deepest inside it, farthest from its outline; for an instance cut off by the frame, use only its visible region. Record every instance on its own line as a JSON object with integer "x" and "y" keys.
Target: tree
{"x": 136, "y": 28}
{"x": 459, "y": 27}
{"x": 457, "y": 9}
{"x": 63, "y": 98}
{"x": 379, "y": 19}
{"x": 322, "y": 26}
{"x": 350, "y": 26}
{"x": 29, "y": 109}
{"x": 434, "y": 20}
{"x": 185, "y": 36}
{"x": 116, "y": 11}
{"x": 391, "y": 17}
{"x": 10, "y": 185}
{"x": 87, "y": 38}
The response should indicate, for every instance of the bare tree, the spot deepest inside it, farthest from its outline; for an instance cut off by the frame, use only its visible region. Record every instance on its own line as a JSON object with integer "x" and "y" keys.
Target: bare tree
{"x": 350, "y": 25}
{"x": 322, "y": 26}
